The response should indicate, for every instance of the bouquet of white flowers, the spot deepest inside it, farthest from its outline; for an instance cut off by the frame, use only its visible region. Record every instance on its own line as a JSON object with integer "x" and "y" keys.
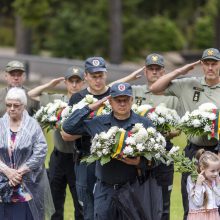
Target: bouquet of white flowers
{"x": 201, "y": 121}
{"x": 50, "y": 115}
{"x": 118, "y": 143}
{"x": 55, "y": 113}
{"x": 163, "y": 118}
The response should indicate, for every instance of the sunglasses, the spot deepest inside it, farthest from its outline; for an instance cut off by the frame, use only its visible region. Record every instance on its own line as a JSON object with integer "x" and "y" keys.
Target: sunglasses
{"x": 15, "y": 106}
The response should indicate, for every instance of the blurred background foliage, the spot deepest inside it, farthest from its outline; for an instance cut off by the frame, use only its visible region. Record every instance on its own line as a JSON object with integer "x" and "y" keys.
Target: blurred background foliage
{"x": 115, "y": 29}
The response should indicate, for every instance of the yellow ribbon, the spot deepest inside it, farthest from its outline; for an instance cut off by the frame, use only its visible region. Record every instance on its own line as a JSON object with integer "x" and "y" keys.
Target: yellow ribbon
{"x": 143, "y": 112}
{"x": 120, "y": 144}
{"x": 100, "y": 110}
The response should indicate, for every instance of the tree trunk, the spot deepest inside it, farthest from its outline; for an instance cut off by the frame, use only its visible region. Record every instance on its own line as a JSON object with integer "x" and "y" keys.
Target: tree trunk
{"x": 115, "y": 11}
{"x": 23, "y": 37}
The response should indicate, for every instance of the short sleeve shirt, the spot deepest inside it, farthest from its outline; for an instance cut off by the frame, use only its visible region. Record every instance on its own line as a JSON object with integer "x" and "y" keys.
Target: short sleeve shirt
{"x": 192, "y": 92}
{"x": 142, "y": 95}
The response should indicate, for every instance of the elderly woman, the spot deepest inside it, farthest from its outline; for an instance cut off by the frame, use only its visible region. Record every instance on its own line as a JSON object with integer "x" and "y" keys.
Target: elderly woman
{"x": 24, "y": 187}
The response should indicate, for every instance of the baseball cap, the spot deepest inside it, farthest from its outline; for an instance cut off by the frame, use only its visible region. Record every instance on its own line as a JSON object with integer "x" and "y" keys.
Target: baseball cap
{"x": 211, "y": 53}
{"x": 154, "y": 59}
{"x": 14, "y": 65}
{"x": 119, "y": 89}
{"x": 74, "y": 71}
{"x": 95, "y": 64}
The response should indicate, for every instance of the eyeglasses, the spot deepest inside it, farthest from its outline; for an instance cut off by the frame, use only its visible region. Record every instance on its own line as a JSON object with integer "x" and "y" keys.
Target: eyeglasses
{"x": 15, "y": 106}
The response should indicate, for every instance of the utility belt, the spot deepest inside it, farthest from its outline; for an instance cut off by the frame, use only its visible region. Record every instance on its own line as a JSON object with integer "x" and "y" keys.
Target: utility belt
{"x": 116, "y": 186}
{"x": 141, "y": 179}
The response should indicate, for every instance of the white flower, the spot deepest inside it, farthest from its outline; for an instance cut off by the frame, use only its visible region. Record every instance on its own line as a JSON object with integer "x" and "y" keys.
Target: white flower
{"x": 128, "y": 150}
{"x": 207, "y": 107}
{"x": 53, "y": 118}
{"x": 173, "y": 150}
{"x": 207, "y": 128}
{"x": 196, "y": 123}
{"x": 151, "y": 130}
{"x": 130, "y": 141}
{"x": 140, "y": 147}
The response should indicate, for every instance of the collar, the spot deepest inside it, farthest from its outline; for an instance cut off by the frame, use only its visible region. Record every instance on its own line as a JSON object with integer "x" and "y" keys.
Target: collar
{"x": 203, "y": 82}
{"x": 130, "y": 122}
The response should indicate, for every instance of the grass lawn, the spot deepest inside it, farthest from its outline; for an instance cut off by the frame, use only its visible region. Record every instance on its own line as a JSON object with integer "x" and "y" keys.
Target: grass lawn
{"x": 176, "y": 202}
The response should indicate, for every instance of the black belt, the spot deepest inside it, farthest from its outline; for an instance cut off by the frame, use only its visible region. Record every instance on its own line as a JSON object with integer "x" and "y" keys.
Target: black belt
{"x": 116, "y": 186}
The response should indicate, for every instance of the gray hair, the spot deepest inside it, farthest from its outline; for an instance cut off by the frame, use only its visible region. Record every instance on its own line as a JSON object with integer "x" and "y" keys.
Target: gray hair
{"x": 18, "y": 94}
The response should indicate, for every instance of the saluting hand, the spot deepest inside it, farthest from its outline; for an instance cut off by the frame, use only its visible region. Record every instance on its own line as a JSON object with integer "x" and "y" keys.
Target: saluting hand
{"x": 186, "y": 68}
{"x": 98, "y": 104}
{"x": 136, "y": 74}
{"x": 55, "y": 82}
{"x": 200, "y": 178}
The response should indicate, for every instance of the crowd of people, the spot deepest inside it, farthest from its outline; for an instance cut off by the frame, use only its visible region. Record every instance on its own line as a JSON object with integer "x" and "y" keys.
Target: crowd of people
{"x": 126, "y": 188}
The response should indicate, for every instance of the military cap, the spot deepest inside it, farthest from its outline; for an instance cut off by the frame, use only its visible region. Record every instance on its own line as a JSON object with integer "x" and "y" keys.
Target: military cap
{"x": 119, "y": 89}
{"x": 95, "y": 64}
{"x": 74, "y": 71}
{"x": 211, "y": 53}
{"x": 154, "y": 59}
{"x": 14, "y": 65}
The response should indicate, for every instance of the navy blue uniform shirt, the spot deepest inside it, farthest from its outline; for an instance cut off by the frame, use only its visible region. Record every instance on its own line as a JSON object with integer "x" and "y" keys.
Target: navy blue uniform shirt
{"x": 115, "y": 171}
{"x": 83, "y": 144}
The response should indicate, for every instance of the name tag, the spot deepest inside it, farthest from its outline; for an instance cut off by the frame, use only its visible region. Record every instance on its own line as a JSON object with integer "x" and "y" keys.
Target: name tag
{"x": 198, "y": 89}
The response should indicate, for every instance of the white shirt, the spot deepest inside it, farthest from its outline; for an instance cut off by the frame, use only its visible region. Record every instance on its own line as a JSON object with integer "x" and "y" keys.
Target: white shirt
{"x": 196, "y": 195}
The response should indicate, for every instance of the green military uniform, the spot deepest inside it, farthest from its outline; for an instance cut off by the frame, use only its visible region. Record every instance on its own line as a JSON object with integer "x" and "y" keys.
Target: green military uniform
{"x": 32, "y": 105}
{"x": 142, "y": 95}
{"x": 192, "y": 92}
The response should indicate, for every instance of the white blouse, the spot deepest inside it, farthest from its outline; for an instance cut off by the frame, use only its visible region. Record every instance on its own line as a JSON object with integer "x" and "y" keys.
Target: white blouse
{"x": 196, "y": 195}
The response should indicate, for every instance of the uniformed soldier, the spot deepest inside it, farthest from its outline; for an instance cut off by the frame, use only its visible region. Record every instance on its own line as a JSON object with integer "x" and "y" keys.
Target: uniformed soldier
{"x": 192, "y": 92}
{"x": 15, "y": 77}
{"x": 95, "y": 76}
{"x": 115, "y": 174}
{"x": 61, "y": 165}
{"x": 154, "y": 69}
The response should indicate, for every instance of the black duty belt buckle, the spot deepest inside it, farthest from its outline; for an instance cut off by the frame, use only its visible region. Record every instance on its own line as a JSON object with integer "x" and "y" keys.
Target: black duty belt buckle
{"x": 116, "y": 186}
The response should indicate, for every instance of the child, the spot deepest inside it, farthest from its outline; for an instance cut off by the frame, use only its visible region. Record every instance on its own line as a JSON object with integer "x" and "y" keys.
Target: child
{"x": 204, "y": 193}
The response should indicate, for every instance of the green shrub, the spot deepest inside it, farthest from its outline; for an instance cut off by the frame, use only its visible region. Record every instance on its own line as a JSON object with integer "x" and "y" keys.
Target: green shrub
{"x": 203, "y": 33}
{"x": 6, "y": 36}
{"x": 162, "y": 34}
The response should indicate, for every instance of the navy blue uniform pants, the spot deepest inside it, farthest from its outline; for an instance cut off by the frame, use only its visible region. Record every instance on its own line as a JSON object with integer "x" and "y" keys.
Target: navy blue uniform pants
{"x": 164, "y": 177}
{"x": 190, "y": 151}
{"x": 85, "y": 181}
{"x": 61, "y": 173}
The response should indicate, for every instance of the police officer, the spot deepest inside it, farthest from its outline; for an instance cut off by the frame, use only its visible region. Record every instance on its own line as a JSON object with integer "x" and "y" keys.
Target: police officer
{"x": 192, "y": 92}
{"x": 15, "y": 77}
{"x": 61, "y": 165}
{"x": 116, "y": 173}
{"x": 154, "y": 69}
{"x": 95, "y": 76}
